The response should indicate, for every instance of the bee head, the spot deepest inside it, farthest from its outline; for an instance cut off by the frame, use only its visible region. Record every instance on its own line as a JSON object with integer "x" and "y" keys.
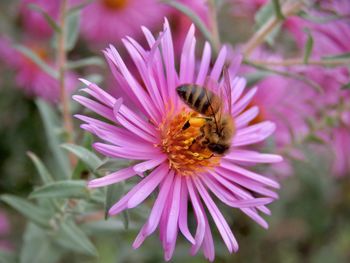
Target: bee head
{"x": 217, "y": 148}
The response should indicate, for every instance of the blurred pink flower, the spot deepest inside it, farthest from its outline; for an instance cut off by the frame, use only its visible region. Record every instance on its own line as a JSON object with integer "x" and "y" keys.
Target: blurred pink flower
{"x": 107, "y": 21}
{"x": 30, "y": 77}
{"x": 184, "y": 172}
{"x": 33, "y": 22}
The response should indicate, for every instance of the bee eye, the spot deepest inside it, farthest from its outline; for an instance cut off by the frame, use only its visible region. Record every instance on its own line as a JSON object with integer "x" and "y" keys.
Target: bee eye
{"x": 217, "y": 148}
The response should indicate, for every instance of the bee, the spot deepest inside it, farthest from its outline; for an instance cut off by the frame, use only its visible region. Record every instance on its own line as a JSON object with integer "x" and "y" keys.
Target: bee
{"x": 218, "y": 128}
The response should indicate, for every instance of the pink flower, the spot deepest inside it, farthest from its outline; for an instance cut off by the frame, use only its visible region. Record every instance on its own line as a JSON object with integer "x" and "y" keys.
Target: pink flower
{"x": 33, "y": 22}
{"x": 184, "y": 172}
{"x": 107, "y": 21}
{"x": 30, "y": 77}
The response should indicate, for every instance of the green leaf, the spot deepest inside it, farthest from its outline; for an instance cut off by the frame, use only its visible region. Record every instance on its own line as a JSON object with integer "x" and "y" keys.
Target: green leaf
{"x": 194, "y": 18}
{"x": 46, "y": 16}
{"x": 308, "y": 47}
{"x": 111, "y": 165}
{"x": 45, "y": 176}
{"x": 92, "y": 61}
{"x": 50, "y": 121}
{"x": 7, "y": 257}
{"x": 72, "y": 237}
{"x": 346, "y": 86}
{"x": 38, "y": 247}
{"x": 72, "y": 30}
{"x": 32, "y": 212}
{"x": 37, "y": 60}
{"x": 264, "y": 14}
{"x": 277, "y": 7}
{"x": 78, "y": 7}
{"x": 114, "y": 193}
{"x": 62, "y": 189}
{"x": 88, "y": 157}
{"x": 313, "y": 138}
{"x": 343, "y": 55}
{"x": 254, "y": 77}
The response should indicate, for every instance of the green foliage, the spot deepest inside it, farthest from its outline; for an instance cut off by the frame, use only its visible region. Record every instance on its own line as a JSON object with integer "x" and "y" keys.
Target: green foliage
{"x": 90, "y": 159}
{"x": 264, "y": 14}
{"x": 308, "y": 47}
{"x": 72, "y": 29}
{"x": 62, "y": 189}
{"x": 52, "y": 128}
{"x": 37, "y": 60}
{"x": 34, "y": 213}
{"x": 47, "y": 17}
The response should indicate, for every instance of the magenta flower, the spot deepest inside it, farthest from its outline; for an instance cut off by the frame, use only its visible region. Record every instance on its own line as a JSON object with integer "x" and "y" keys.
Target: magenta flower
{"x": 184, "y": 175}
{"x": 33, "y": 22}
{"x": 29, "y": 77}
{"x": 107, "y": 21}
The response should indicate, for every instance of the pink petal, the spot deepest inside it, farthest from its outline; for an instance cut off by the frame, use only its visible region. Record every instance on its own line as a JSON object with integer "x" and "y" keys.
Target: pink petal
{"x": 112, "y": 178}
{"x": 150, "y": 164}
{"x": 141, "y": 191}
{"x": 251, "y": 156}
{"x": 218, "y": 218}
{"x": 249, "y": 174}
{"x": 183, "y": 226}
{"x": 154, "y": 217}
{"x": 200, "y": 216}
{"x": 204, "y": 66}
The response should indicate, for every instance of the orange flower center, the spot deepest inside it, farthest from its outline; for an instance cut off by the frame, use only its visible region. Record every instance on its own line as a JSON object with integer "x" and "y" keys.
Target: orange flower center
{"x": 115, "y": 4}
{"x": 179, "y": 141}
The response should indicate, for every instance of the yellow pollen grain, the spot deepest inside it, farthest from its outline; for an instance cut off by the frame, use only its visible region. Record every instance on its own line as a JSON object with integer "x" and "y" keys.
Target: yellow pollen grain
{"x": 185, "y": 155}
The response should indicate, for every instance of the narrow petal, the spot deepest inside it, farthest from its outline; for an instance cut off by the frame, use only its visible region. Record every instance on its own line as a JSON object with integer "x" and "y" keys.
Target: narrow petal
{"x": 219, "y": 63}
{"x": 247, "y": 116}
{"x": 150, "y": 164}
{"x": 183, "y": 226}
{"x": 252, "y": 156}
{"x": 254, "y": 176}
{"x": 112, "y": 178}
{"x": 141, "y": 153}
{"x": 141, "y": 191}
{"x": 157, "y": 209}
{"x": 218, "y": 218}
{"x": 187, "y": 57}
{"x": 243, "y": 102}
{"x": 204, "y": 66}
{"x": 200, "y": 216}
{"x": 174, "y": 212}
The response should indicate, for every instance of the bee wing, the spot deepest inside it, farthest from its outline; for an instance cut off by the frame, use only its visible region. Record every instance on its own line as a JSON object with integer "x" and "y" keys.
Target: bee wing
{"x": 228, "y": 89}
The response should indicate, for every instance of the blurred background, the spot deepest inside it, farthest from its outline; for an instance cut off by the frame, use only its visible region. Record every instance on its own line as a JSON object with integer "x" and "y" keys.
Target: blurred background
{"x": 301, "y": 67}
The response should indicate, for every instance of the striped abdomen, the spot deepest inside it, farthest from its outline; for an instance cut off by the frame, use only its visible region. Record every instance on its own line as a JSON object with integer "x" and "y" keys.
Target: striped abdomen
{"x": 199, "y": 99}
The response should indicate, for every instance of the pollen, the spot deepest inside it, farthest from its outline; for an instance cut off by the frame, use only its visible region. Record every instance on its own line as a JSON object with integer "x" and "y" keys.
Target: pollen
{"x": 180, "y": 141}
{"x": 115, "y": 4}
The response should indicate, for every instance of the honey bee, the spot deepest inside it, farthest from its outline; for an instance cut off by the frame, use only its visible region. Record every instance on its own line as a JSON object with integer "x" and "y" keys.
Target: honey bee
{"x": 219, "y": 127}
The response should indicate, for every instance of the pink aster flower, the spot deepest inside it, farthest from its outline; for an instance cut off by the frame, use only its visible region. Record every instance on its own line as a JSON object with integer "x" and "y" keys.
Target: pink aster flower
{"x": 183, "y": 172}
{"x": 33, "y": 22}
{"x": 29, "y": 77}
{"x": 107, "y": 21}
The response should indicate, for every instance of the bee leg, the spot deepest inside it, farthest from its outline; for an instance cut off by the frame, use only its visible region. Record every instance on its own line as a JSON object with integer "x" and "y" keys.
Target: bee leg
{"x": 186, "y": 125}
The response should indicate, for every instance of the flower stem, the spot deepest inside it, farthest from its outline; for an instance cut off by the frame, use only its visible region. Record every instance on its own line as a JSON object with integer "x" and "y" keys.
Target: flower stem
{"x": 62, "y": 60}
{"x": 214, "y": 25}
{"x": 300, "y": 61}
{"x": 288, "y": 9}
